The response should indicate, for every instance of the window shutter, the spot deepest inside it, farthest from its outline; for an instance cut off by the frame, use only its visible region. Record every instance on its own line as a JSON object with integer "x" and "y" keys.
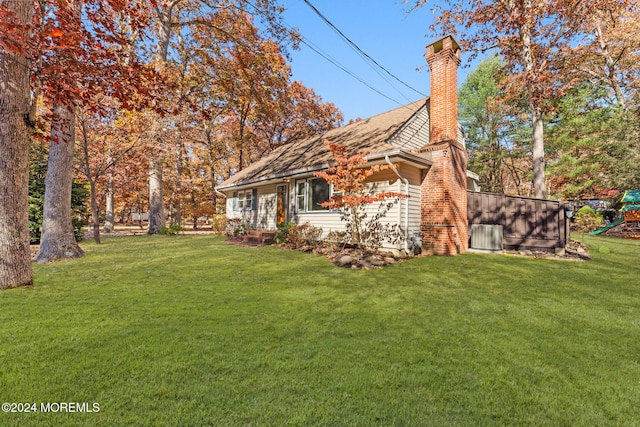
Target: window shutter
{"x": 235, "y": 201}
{"x": 254, "y": 199}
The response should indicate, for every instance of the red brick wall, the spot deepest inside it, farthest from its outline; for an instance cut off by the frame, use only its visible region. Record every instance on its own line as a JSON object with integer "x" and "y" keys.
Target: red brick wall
{"x": 444, "y": 188}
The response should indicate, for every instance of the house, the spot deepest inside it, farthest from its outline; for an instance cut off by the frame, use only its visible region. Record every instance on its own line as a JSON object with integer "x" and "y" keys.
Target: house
{"x": 422, "y": 139}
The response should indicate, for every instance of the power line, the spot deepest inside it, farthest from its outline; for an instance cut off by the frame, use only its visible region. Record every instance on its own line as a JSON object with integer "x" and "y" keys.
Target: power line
{"x": 327, "y": 57}
{"x": 343, "y": 68}
{"x": 358, "y": 49}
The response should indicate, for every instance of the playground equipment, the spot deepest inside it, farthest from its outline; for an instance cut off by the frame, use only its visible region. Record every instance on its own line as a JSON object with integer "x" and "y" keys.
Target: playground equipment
{"x": 608, "y": 226}
{"x": 630, "y": 216}
{"x": 631, "y": 212}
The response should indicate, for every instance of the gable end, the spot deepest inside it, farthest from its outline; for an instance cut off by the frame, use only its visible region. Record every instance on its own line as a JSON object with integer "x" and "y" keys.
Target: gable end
{"x": 414, "y": 134}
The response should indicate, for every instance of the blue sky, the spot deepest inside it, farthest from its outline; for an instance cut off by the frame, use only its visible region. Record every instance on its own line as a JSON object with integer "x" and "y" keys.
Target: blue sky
{"x": 382, "y": 29}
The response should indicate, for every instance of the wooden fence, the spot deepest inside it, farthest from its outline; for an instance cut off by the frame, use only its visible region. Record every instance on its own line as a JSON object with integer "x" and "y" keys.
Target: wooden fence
{"x": 527, "y": 223}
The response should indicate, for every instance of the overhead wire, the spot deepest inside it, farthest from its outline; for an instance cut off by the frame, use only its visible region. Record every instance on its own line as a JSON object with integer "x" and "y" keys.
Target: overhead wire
{"x": 372, "y": 62}
{"x": 307, "y": 42}
{"x": 304, "y": 40}
{"x": 327, "y": 57}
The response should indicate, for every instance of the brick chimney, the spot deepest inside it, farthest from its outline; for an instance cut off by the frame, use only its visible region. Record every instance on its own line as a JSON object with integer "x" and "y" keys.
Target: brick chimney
{"x": 444, "y": 189}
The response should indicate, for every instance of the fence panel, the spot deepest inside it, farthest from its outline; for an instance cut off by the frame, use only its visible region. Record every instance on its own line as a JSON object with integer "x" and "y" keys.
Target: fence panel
{"x": 527, "y": 223}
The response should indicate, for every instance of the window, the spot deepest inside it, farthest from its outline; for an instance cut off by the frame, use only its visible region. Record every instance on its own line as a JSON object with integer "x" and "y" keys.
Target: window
{"x": 301, "y": 196}
{"x": 310, "y": 194}
{"x": 246, "y": 200}
{"x": 318, "y": 193}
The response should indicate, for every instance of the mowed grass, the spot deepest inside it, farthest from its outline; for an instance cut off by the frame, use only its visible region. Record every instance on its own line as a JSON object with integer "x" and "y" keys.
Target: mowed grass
{"x": 191, "y": 331}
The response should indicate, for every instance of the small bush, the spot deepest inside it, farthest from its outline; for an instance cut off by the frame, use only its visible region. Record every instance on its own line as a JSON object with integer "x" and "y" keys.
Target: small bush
{"x": 236, "y": 227}
{"x": 312, "y": 235}
{"x": 78, "y": 228}
{"x": 586, "y": 220}
{"x": 336, "y": 241}
{"x": 610, "y": 214}
{"x": 219, "y": 223}
{"x": 305, "y": 234}
{"x": 171, "y": 230}
{"x": 283, "y": 232}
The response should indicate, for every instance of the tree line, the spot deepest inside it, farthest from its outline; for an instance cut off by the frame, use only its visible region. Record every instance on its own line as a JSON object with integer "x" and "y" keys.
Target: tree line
{"x": 149, "y": 103}
{"x": 555, "y": 112}
{"x": 152, "y": 103}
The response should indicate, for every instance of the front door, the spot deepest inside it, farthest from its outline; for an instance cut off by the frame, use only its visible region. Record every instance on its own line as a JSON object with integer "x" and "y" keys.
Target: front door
{"x": 281, "y": 204}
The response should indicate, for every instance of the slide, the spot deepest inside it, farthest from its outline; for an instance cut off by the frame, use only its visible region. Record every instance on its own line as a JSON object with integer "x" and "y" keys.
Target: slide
{"x": 607, "y": 227}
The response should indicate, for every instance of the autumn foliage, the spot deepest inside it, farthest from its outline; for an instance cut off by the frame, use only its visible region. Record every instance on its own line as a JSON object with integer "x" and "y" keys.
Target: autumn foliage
{"x": 354, "y": 195}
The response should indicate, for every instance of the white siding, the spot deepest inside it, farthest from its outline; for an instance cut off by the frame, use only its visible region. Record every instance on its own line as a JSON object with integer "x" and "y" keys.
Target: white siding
{"x": 415, "y": 134}
{"x": 414, "y": 176}
{"x": 264, "y": 217}
{"x": 328, "y": 221}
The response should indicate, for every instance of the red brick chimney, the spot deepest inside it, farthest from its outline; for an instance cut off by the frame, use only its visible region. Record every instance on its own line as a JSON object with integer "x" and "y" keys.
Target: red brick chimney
{"x": 444, "y": 189}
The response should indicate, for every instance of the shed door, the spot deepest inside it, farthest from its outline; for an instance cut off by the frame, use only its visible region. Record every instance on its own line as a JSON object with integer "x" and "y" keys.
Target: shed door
{"x": 281, "y": 204}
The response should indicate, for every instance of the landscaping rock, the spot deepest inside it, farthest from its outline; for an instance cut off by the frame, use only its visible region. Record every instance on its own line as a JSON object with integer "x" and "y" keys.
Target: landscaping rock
{"x": 376, "y": 261}
{"x": 365, "y": 264}
{"x": 344, "y": 260}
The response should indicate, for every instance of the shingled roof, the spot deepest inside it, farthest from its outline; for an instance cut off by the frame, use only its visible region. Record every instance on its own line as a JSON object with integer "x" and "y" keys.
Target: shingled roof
{"x": 311, "y": 154}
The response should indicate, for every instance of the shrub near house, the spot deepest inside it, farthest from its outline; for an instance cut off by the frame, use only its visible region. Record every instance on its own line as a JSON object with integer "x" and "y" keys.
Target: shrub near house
{"x": 352, "y": 196}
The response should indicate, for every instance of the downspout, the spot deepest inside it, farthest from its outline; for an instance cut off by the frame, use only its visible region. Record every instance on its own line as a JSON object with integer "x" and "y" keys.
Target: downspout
{"x": 406, "y": 204}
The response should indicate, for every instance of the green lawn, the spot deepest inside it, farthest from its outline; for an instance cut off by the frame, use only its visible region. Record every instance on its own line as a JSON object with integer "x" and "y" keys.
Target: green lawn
{"x": 189, "y": 330}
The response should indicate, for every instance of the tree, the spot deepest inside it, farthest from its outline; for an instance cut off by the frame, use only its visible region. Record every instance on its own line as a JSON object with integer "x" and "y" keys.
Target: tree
{"x": 104, "y": 143}
{"x": 576, "y": 138}
{"x": 37, "y": 175}
{"x": 484, "y": 121}
{"x": 354, "y": 196}
{"x": 294, "y": 114}
{"x": 221, "y": 20}
{"x": 608, "y": 50}
{"x": 84, "y": 54}
{"x": 528, "y": 34}
{"x": 16, "y": 119}
{"x": 58, "y": 240}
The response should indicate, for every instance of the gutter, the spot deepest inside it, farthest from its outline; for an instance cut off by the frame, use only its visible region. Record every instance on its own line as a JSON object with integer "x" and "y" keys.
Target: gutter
{"x": 400, "y": 154}
{"x": 405, "y": 181}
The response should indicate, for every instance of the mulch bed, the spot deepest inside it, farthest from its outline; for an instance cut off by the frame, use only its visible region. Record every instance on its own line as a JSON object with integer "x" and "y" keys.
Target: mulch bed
{"x": 359, "y": 259}
{"x": 575, "y": 251}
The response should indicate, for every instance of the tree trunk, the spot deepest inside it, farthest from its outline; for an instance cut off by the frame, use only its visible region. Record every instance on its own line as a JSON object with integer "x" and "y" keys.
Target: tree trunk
{"x": 108, "y": 212}
{"x": 156, "y": 203}
{"x": 538, "y": 151}
{"x": 15, "y": 255}
{"x": 156, "y": 198}
{"x": 611, "y": 74}
{"x": 58, "y": 241}
{"x": 177, "y": 219}
{"x": 109, "y": 218}
{"x": 534, "y": 103}
{"x": 95, "y": 212}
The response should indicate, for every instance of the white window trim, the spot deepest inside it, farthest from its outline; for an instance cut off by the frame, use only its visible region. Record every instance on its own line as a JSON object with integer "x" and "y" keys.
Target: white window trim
{"x": 305, "y": 197}
{"x": 245, "y": 200}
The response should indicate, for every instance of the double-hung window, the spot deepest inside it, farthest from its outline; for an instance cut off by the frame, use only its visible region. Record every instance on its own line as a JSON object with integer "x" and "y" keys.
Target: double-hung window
{"x": 246, "y": 200}
{"x": 311, "y": 193}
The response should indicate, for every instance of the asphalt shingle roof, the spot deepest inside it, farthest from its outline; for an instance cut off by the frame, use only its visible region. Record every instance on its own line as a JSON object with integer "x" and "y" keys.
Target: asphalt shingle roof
{"x": 311, "y": 154}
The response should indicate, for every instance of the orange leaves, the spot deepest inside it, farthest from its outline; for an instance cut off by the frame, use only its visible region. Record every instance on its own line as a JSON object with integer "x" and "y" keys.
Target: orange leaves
{"x": 54, "y": 32}
{"x": 349, "y": 176}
